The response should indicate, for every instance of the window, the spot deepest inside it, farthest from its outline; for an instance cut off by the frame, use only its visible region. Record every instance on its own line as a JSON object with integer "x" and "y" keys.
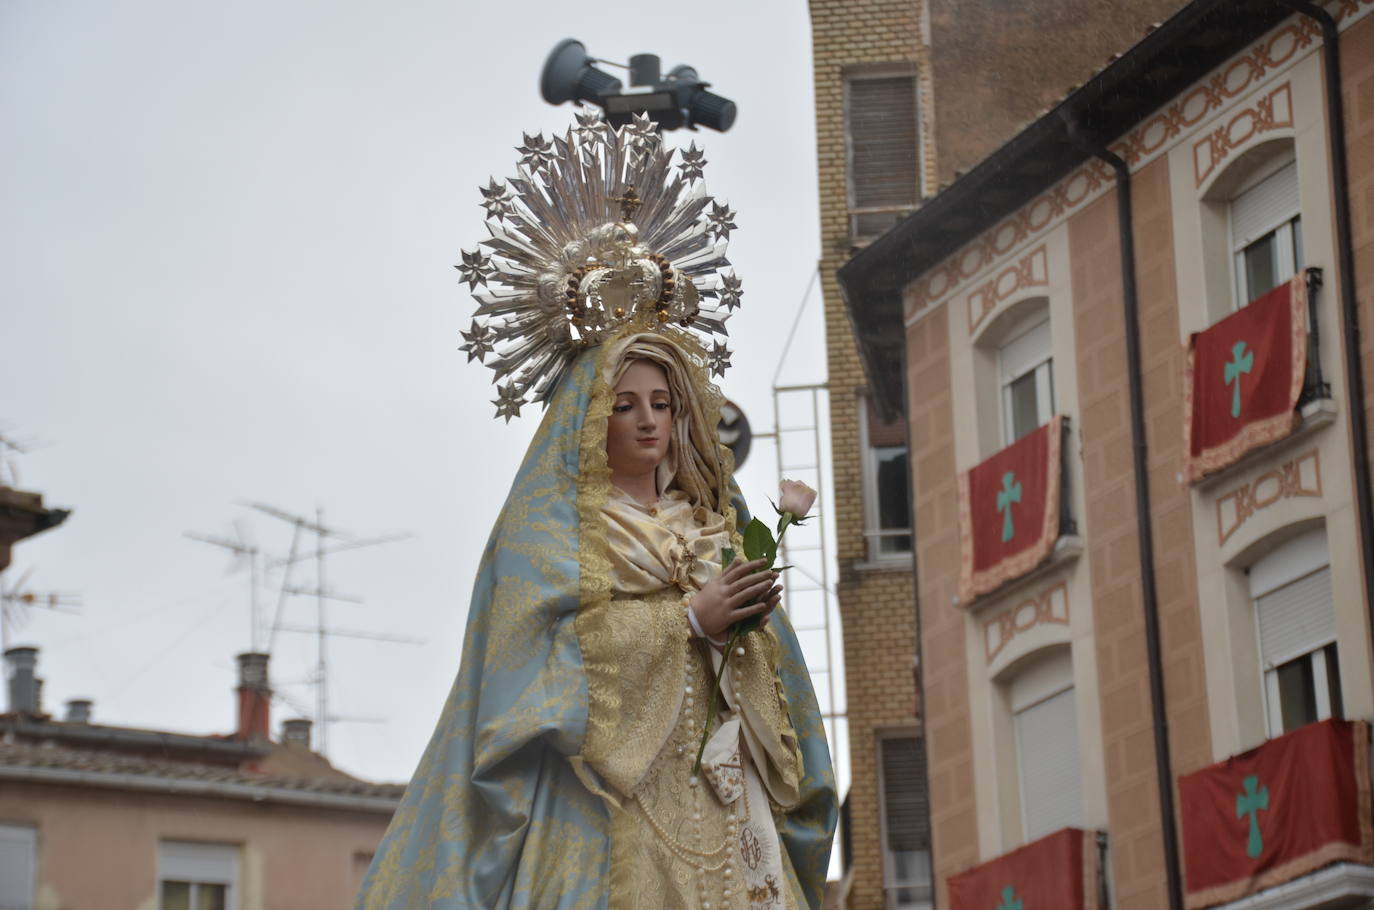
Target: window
{"x": 1026, "y": 369}
{"x": 1045, "y": 719}
{"x": 1266, "y": 230}
{"x": 905, "y": 824}
{"x": 882, "y": 147}
{"x": 1291, "y": 589}
{"x": 18, "y": 858}
{"x": 887, "y": 490}
{"x": 197, "y": 876}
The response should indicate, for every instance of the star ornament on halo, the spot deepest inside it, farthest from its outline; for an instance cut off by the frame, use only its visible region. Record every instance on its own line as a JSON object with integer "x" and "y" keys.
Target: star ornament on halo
{"x": 475, "y": 268}
{"x": 478, "y": 342}
{"x": 496, "y": 199}
{"x": 731, "y": 287}
{"x": 642, "y": 131}
{"x": 718, "y": 359}
{"x": 508, "y": 401}
{"x": 591, "y": 126}
{"x": 693, "y": 160}
{"x": 537, "y": 152}
{"x": 721, "y": 221}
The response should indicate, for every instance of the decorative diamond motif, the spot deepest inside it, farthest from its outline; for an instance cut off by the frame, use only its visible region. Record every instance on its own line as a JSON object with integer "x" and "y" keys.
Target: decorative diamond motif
{"x": 721, "y": 221}
{"x": 478, "y": 342}
{"x": 475, "y": 269}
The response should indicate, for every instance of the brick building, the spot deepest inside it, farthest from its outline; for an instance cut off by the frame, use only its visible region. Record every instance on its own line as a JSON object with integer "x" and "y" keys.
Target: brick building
{"x": 908, "y": 94}
{"x": 95, "y": 815}
{"x": 1188, "y": 609}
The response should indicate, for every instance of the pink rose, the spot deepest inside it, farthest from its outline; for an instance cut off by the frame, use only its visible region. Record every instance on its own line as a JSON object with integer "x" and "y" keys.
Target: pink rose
{"x": 796, "y": 497}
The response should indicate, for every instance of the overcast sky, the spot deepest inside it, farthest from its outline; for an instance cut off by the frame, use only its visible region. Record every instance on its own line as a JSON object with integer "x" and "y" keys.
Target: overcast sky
{"x": 226, "y": 243}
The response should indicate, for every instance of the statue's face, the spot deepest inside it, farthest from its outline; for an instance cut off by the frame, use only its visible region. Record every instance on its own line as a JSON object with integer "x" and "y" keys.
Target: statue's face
{"x": 641, "y": 422}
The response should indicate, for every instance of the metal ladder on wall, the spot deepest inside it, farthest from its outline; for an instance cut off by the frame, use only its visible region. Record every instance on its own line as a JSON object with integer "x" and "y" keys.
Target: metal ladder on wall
{"x": 810, "y": 600}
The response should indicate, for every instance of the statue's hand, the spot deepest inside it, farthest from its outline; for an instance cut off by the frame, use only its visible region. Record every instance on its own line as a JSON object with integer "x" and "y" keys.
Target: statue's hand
{"x": 743, "y": 590}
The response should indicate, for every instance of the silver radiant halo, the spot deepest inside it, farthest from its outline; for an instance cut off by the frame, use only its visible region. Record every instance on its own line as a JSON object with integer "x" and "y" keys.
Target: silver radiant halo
{"x": 598, "y": 229}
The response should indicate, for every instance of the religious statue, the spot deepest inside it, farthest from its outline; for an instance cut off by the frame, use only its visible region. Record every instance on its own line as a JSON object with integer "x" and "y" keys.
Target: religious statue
{"x": 561, "y": 772}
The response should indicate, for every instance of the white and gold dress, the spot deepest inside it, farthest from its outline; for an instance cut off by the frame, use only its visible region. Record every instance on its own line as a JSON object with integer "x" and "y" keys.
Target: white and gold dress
{"x": 679, "y": 840}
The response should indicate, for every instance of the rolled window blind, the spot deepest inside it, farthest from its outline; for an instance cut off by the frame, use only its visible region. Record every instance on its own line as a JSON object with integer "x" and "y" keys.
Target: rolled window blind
{"x": 1047, "y": 750}
{"x": 883, "y": 165}
{"x": 1264, "y": 206}
{"x": 1296, "y": 618}
{"x": 904, "y": 796}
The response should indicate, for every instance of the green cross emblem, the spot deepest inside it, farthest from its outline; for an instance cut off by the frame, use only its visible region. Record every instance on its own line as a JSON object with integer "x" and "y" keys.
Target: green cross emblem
{"x": 1009, "y": 900}
{"x": 1241, "y": 362}
{"x": 1010, "y": 493}
{"x": 1249, "y": 803}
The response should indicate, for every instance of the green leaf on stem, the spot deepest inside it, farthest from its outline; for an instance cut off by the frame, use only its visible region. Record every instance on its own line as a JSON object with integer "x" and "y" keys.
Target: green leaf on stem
{"x": 759, "y": 543}
{"x": 727, "y": 556}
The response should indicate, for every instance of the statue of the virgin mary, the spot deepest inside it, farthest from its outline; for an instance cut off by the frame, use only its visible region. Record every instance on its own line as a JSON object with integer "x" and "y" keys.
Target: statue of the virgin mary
{"x": 560, "y": 774}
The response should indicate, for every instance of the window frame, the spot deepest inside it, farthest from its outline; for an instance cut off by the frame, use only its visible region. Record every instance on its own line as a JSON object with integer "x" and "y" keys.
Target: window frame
{"x": 874, "y": 533}
{"x": 26, "y": 837}
{"x": 1287, "y": 253}
{"x": 891, "y": 885}
{"x": 1039, "y": 364}
{"x": 1295, "y": 560}
{"x": 1055, "y": 667}
{"x": 865, "y": 72}
{"x": 199, "y": 863}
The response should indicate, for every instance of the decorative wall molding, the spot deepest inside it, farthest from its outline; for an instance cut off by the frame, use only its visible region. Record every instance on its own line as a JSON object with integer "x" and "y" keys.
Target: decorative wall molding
{"x": 1266, "y": 61}
{"x": 1269, "y": 112}
{"x": 1297, "y": 478}
{"x": 1031, "y": 270}
{"x": 1050, "y": 606}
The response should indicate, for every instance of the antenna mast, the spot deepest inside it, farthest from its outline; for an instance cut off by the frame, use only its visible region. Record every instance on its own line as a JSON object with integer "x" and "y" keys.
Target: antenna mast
{"x": 322, "y": 595}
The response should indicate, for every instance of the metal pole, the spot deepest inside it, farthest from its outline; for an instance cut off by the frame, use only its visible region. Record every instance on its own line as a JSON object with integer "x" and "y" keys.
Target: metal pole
{"x": 321, "y": 677}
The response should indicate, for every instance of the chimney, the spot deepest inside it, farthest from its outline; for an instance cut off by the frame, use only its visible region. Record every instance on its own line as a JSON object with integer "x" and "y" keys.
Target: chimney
{"x": 78, "y": 711}
{"x": 20, "y": 664}
{"x": 296, "y": 732}
{"x": 255, "y": 697}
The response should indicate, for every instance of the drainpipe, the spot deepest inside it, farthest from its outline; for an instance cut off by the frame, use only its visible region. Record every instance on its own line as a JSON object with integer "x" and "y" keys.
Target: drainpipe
{"x": 923, "y": 729}
{"x": 1146, "y": 535}
{"x": 1345, "y": 268}
{"x": 1145, "y": 531}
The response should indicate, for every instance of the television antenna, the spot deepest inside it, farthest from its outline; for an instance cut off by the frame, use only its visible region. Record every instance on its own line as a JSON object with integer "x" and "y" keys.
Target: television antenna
{"x": 9, "y": 464}
{"x": 244, "y": 550}
{"x": 328, "y": 541}
{"x": 16, "y": 604}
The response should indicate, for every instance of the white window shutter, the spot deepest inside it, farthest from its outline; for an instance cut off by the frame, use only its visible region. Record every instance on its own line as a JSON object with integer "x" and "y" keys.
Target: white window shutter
{"x": 1296, "y": 618}
{"x": 1026, "y": 350}
{"x": 1047, "y": 748}
{"x": 18, "y": 856}
{"x": 1265, "y": 206}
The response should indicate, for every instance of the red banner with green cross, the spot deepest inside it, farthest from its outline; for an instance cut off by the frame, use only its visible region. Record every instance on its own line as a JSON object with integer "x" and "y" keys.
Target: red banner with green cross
{"x": 1056, "y": 872}
{"x": 1243, "y": 379}
{"x": 1009, "y": 511}
{"x": 1273, "y": 814}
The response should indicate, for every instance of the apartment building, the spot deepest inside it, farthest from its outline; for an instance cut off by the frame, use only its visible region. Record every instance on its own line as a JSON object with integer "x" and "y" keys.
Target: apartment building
{"x": 909, "y": 93}
{"x": 1126, "y": 347}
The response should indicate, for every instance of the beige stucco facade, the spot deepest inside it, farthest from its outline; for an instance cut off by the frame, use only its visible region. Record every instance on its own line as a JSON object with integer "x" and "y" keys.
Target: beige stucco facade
{"x": 98, "y": 847}
{"x": 1059, "y": 256}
